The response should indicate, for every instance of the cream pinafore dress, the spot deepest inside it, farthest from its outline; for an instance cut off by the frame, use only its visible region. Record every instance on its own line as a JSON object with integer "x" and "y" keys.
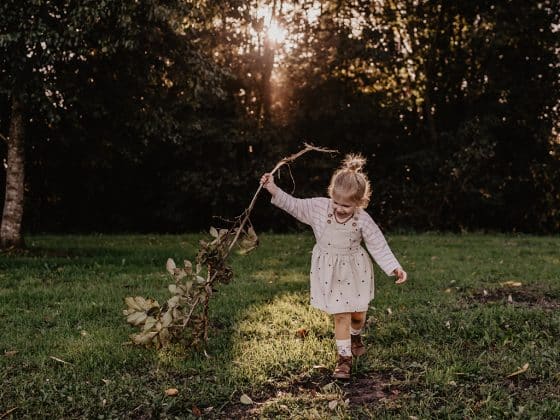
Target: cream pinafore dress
{"x": 341, "y": 269}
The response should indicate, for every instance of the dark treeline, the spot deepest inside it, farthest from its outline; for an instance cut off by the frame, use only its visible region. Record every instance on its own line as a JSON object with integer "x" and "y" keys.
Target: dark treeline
{"x": 159, "y": 115}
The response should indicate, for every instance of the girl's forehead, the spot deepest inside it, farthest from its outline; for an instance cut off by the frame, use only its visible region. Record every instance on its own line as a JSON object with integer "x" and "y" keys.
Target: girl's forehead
{"x": 342, "y": 199}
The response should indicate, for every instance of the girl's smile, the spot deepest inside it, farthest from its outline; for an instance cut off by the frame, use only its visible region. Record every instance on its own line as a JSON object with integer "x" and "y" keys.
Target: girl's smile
{"x": 342, "y": 207}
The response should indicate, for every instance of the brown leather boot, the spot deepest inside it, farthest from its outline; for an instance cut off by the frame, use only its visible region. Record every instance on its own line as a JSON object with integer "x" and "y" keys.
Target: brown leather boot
{"x": 358, "y": 347}
{"x": 343, "y": 367}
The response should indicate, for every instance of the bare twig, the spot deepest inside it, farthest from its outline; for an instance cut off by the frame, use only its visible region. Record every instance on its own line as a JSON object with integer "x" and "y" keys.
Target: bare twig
{"x": 3, "y": 137}
{"x": 284, "y": 161}
{"x": 10, "y": 410}
{"x": 56, "y": 359}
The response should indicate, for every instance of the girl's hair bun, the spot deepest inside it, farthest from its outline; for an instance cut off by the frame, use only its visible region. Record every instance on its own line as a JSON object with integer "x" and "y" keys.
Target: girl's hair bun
{"x": 354, "y": 162}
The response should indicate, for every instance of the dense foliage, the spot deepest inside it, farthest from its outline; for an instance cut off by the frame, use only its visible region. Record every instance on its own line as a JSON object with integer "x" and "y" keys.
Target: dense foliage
{"x": 157, "y": 116}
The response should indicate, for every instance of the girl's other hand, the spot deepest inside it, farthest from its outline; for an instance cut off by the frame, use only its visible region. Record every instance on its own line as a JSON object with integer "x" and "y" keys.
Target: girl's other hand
{"x": 267, "y": 181}
{"x": 401, "y": 276}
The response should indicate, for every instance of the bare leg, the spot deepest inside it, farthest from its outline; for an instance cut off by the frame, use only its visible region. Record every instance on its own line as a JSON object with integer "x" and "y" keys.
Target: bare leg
{"x": 358, "y": 320}
{"x": 344, "y": 345}
{"x": 342, "y": 326}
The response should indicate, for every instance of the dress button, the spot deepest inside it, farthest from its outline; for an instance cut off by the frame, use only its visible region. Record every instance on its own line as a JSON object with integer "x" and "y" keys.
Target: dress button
{"x": 330, "y": 214}
{"x": 354, "y": 224}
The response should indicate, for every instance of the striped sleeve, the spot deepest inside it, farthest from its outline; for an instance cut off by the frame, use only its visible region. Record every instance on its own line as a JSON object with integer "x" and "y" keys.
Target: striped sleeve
{"x": 303, "y": 209}
{"x": 377, "y": 245}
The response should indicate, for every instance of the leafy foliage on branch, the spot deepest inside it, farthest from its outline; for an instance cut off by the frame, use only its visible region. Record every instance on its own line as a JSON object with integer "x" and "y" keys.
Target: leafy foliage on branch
{"x": 183, "y": 318}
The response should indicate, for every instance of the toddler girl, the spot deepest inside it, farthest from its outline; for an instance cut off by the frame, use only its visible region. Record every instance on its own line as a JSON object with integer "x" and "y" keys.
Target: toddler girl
{"x": 341, "y": 270}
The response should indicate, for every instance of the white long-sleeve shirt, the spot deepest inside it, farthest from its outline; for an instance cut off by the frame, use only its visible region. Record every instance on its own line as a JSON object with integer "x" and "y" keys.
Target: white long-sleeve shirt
{"x": 314, "y": 212}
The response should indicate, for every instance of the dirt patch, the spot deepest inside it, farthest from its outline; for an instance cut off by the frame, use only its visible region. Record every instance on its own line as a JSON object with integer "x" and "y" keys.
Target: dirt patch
{"x": 522, "y": 297}
{"x": 363, "y": 389}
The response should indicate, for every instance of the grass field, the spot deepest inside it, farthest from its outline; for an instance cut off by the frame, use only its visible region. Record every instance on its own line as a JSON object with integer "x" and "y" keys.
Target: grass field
{"x": 443, "y": 345}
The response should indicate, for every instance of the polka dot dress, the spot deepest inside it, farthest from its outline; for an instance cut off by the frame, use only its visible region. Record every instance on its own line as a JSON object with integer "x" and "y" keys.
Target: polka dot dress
{"x": 341, "y": 270}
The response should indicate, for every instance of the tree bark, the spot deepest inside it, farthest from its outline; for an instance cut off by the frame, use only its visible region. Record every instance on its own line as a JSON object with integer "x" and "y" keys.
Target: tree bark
{"x": 10, "y": 231}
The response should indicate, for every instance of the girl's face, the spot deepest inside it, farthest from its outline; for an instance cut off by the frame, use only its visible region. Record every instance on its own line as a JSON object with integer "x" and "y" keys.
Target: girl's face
{"x": 342, "y": 207}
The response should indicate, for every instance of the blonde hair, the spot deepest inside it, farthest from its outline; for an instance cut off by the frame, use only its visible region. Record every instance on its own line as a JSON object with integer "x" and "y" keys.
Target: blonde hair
{"x": 350, "y": 182}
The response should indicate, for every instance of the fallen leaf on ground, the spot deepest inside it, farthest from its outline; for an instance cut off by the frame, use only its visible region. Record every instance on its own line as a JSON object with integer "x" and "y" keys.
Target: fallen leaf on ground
{"x": 172, "y": 392}
{"x": 302, "y": 332}
{"x": 333, "y": 404}
{"x": 511, "y": 283}
{"x": 245, "y": 399}
{"x": 319, "y": 367}
{"x": 196, "y": 411}
{"x": 510, "y": 299}
{"x": 389, "y": 311}
{"x": 520, "y": 371}
{"x": 10, "y": 353}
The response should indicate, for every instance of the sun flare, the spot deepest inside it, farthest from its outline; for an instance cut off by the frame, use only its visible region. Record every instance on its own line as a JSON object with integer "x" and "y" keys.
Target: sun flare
{"x": 276, "y": 33}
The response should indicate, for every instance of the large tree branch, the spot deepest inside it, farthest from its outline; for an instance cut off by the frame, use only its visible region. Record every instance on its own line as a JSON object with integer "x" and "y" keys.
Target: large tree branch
{"x": 284, "y": 161}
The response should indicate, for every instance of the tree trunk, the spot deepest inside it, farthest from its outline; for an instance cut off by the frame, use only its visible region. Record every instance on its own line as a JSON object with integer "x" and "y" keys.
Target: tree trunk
{"x": 267, "y": 66}
{"x": 10, "y": 232}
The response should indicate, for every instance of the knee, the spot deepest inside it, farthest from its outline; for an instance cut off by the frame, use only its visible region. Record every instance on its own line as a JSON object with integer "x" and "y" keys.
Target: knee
{"x": 358, "y": 316}
{"x": 341, "y": 318}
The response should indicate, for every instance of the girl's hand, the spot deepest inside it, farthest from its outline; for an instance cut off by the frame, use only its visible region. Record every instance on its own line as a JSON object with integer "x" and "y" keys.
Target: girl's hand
{"x": 267, "y": 181}
{"x": 401, "y": 275}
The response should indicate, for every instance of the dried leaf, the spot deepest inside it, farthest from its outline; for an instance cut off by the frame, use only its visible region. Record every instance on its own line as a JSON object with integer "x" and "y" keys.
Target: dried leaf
{"x": 302, "y": 332}
{"x": 245, "y": 399}
{"x": 172, "y": 392}
{"x": 173, "y": 289}
{"x": 511, "y": 283}
{"x": 520, "y": 371}
{"x": 131, "y": 302}
{"x": 144, "y": 337}
{"x": 136, "y": 318}
{"x": 170, "y": 266}
{"x": 214, "y": 232}
{"x": 196, "y": 411}
{"x": 166, "y": 319}
{"x": 333, "y": 404}
{"x": 10, "y": 353}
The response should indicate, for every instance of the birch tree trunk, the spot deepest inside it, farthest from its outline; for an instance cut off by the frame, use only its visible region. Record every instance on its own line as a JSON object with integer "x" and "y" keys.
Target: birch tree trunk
{"x": 10, "y": 231}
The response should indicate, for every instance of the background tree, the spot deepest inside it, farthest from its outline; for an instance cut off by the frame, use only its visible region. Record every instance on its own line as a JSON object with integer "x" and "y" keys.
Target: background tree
{"x": 454, "y": 104}
{"x": 102, "y": 72}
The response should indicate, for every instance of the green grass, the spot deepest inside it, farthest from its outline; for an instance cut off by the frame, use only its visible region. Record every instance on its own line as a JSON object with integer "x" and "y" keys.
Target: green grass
{"x": 442, "y": 345}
